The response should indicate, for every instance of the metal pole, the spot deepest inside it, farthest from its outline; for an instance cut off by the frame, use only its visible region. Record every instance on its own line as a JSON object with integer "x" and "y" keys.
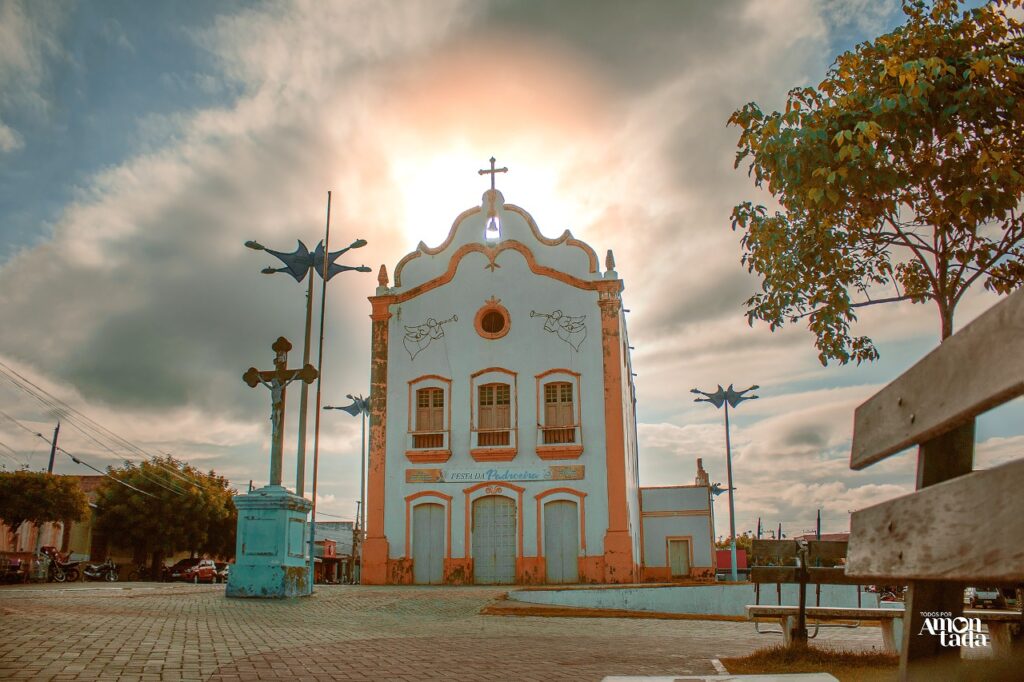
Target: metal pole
{"x": 732, "y": 508}
{"x": 362, "y": 474}
{"x": 319, "y": 383}
{"x": 300, "y": 461}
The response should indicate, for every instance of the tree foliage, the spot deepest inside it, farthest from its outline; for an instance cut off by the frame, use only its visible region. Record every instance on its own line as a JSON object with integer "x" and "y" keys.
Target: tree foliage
{"x": 899, "y": 177}
{"x": 184, "y": 510}
{"x": 39, "y": 497}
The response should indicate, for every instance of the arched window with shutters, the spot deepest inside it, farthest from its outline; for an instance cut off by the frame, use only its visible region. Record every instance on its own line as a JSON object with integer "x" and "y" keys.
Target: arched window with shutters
{"x": 429, "y": 419}
{"x": 494, "y": 415}
{"x": 495, "y": 418}
{"x": 429, "y": 431}
{"x": 559, "y": 427}
{"x": 559, "y": 413}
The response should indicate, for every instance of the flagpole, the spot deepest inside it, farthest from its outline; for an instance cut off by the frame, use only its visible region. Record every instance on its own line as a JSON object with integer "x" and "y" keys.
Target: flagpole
{"x": 319, "y": 382}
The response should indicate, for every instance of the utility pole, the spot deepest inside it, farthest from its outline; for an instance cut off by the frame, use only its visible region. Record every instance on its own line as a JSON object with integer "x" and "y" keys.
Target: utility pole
{"x": 49, "y": 470}
{"x": 53, "y": 448}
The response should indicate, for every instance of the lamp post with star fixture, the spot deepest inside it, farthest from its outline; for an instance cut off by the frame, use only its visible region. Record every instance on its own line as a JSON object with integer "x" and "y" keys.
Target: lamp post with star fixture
{"x": 298, "y": 264}
{"x": 728, "y": 397}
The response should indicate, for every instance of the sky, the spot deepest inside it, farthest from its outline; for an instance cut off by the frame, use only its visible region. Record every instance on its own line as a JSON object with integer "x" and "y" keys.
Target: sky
{"x": 141, "y": 144}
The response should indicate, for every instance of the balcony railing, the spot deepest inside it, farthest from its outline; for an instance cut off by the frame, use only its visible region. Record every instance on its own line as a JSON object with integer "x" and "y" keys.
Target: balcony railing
{"x": 428, "y": 440}
{"x": 558, "y": 435}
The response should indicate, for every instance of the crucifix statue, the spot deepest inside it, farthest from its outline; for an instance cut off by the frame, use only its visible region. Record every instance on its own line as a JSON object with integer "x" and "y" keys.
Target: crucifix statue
{"x": 276, "y": 380}
{"x": 493, "y": 171}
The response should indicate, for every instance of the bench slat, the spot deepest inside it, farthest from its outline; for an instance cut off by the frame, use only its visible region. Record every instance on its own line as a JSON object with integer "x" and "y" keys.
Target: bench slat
{"x": 976, "y": 369}
{"x": 867, "y": 613}
{"x": 826, "y": 550}
{"x": 773, "y": 549}
{"x": 967, "y": 529}
{"x": 788, "y": 574}
{"x": 773, "y": 574}
{"x": 838, "y": 612}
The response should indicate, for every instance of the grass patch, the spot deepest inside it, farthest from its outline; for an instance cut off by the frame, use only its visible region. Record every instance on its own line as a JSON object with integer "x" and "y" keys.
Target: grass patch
{"x": 844, "y": 665}
{"x": 867, "y": 666}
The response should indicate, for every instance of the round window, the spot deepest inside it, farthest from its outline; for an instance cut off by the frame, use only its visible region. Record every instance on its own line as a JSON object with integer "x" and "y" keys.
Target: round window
{"x": 492, "y": 320}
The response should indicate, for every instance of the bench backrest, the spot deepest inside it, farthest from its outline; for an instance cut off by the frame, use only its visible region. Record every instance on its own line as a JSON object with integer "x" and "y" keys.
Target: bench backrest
{"x": 959, "y": 526}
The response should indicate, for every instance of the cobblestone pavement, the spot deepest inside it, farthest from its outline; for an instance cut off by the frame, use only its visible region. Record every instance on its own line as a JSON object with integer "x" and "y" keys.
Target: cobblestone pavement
{"x": 141, "y": 631}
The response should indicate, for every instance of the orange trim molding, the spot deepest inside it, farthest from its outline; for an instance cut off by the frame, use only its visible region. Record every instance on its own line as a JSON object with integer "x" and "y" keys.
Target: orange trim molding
{"x": 495, "y": 488}
{"x": 565, "y": 238}
{"x": 493, "y": 304}
{"x": 375, "y": 548}
{"x": 422, "y": 248}
{"x": 494, "y": 454}
{"x": 491, "y": 253}
{"x": 428, "y": 456}
{"x": 583, "y": 516}
{"x": 559, "y": 451}
{"x": 408, "y": 518}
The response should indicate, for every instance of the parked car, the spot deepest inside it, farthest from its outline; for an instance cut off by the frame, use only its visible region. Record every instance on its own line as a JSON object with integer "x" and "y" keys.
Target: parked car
{"x": 984, "y": 596}
{"x": 222, "y": 571}
{"x": 203, "y": 572}
{"x": 177, "y": 571}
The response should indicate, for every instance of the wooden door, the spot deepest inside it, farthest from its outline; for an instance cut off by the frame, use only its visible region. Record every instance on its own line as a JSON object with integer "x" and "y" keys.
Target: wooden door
{"x": 679, "y": 557}
{"x": 494, "y": 540}
{"x": 428, "y": 544}
{"x": 561, "y": 541}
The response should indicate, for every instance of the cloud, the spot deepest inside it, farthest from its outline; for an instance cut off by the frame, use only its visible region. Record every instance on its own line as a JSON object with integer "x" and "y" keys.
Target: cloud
{"x": 145, "y": 309}
{"x": 29, "y": 41}
{"x": 9, "y": 139}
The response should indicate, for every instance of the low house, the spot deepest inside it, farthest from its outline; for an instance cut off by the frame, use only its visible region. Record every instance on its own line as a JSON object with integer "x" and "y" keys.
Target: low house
{"x": 677, "y": 531}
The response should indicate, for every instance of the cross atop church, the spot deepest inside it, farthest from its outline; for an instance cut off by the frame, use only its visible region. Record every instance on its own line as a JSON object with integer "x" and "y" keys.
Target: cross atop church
{"x": 493, "y": 171}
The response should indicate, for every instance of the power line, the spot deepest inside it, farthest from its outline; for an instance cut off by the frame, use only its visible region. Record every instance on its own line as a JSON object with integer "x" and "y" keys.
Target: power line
{"x": 13, "y": 451}
{"x": 64, "y": 411}
{"x": 86, "y": 464}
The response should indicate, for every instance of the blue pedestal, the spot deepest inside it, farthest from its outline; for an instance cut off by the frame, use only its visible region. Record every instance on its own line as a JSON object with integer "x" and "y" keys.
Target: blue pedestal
{"x": 271, "y": 559}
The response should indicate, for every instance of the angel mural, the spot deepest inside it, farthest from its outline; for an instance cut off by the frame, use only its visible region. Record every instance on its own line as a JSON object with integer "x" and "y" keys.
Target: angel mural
{"x": 570, "y": 329}
{"x": 419, "y": 336}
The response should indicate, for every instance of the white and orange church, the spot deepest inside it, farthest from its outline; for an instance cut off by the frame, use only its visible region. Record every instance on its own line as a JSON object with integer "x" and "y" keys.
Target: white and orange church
{"x": 503, "y": 442}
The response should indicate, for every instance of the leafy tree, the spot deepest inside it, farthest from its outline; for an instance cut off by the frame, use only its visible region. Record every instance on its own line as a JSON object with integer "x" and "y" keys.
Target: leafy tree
{"x": 898, "y": 177}
{"x": 179, "y": 508}
{"x": 744, "y": 541}
{"x": 40, "y": 498}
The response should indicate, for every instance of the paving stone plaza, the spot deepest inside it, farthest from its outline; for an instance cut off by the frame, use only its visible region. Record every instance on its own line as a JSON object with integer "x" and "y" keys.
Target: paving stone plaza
{"x": 146, "y": 631}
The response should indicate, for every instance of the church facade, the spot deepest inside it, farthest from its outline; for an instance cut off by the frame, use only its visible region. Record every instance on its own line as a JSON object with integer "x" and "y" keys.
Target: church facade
{"x": 502, "y": 412}
{"x": 502, "y": 426}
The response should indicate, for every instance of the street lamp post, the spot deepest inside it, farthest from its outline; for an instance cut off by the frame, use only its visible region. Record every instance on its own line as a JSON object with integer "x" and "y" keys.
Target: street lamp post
{"x": 719, "y": 398}
{"x": 298, "y": 264}
{"x": 360, "y": 406}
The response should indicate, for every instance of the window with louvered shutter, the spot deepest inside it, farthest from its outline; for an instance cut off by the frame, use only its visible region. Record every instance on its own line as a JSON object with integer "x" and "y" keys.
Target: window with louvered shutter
{"x": 559, "y": 412}
{"x": 493, "y": 414}
{"x": 429, "y": 417}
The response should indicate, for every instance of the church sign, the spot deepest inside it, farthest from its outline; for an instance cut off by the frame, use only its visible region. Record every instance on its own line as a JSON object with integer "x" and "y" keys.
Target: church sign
{"x": 566, "y": 472}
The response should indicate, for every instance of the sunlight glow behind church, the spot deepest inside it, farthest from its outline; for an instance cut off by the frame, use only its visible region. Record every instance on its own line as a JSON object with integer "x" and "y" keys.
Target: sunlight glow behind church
{"x": 435, "y": 186}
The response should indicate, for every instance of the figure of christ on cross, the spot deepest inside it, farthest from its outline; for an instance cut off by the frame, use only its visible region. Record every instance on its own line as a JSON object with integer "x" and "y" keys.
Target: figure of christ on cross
{"x": 277, "y": 380}
{"x": 493, "y": 171}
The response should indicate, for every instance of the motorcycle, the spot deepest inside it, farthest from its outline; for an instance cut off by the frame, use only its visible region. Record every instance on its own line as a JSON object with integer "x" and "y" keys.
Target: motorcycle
{"x": 60, "y": 570}
{"x": 105, "y": 571}
{"x": 65, "y": 571}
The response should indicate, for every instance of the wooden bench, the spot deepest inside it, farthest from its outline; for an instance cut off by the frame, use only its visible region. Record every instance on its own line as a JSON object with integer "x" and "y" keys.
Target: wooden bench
{"x": 788, "y": 615}
{"x": 1000, "y": 623}
{"x": 961, "y": 528}
{"x": 798, "y": 562}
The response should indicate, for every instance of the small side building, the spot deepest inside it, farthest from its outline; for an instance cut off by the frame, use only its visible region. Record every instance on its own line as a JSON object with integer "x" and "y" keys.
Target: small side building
{"x": 677, "y": 529}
